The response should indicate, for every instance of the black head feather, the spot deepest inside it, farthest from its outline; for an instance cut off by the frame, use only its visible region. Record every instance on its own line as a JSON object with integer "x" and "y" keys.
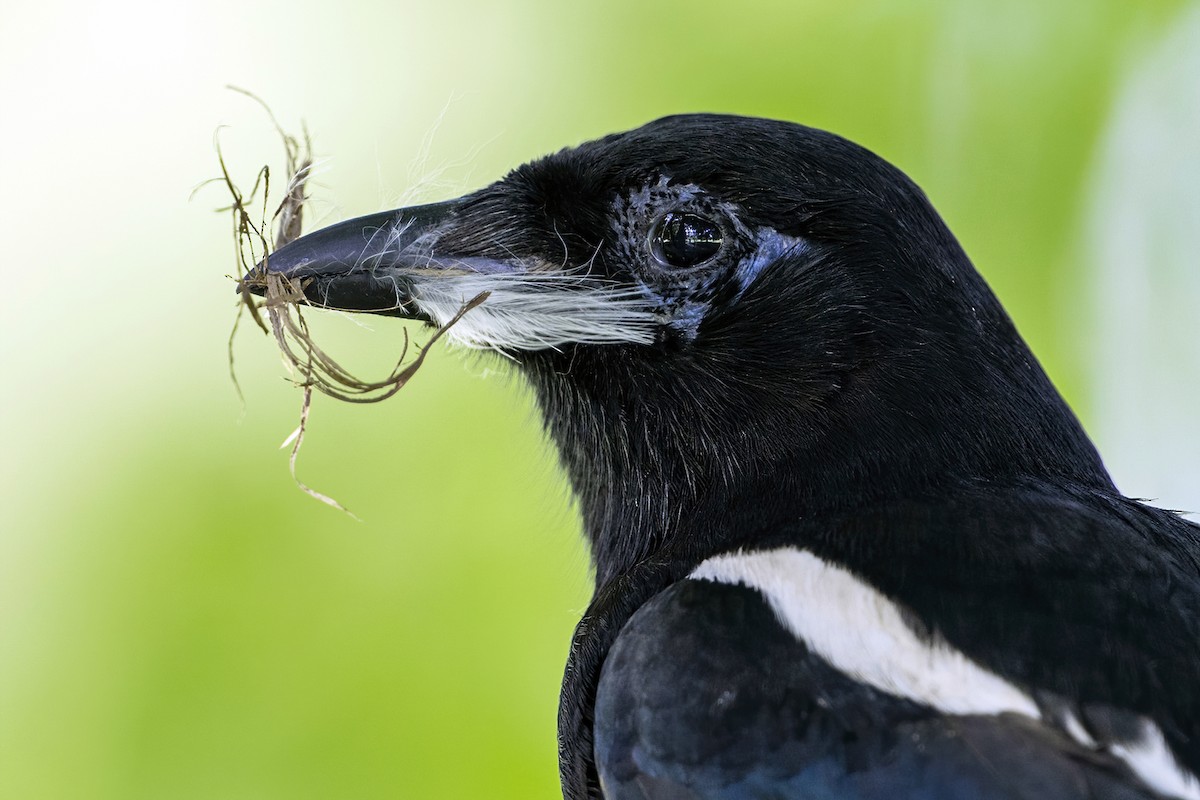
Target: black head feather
{"x": 863, "y": 360}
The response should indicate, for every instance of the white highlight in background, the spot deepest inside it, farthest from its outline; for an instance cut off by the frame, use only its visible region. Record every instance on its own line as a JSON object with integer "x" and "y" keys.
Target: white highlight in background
{"x": 1142, "y": 242}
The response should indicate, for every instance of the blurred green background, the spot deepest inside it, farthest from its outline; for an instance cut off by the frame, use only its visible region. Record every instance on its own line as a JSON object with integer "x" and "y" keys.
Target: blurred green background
{"x": 178, "y": 621}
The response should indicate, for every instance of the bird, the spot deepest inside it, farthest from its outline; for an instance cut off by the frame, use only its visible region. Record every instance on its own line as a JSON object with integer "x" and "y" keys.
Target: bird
{"x": 848, "y": 539}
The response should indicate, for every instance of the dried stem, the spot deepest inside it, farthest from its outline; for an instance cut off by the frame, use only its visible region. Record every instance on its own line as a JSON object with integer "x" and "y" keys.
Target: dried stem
{"x": 310, "y": 366}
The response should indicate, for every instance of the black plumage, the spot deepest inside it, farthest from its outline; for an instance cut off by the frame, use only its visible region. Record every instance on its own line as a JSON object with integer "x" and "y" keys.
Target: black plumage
{"x": 799, "y": 728}
{"x": 779, "y": 344}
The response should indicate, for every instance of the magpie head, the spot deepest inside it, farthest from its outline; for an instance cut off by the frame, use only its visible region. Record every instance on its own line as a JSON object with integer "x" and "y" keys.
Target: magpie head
{"x": 719, "y": 310}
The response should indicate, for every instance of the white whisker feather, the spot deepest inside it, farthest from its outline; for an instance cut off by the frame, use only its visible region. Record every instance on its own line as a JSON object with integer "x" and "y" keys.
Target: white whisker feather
{"x": 533, "y": 311}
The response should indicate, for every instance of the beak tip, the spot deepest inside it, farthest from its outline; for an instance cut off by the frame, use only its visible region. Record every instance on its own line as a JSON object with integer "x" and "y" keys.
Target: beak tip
{"x": 251, "y": 283}
{"x": 255, "y": 281}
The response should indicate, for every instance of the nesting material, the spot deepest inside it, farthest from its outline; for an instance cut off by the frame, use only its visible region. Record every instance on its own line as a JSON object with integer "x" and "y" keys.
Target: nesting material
{"x": 309, "y": 366}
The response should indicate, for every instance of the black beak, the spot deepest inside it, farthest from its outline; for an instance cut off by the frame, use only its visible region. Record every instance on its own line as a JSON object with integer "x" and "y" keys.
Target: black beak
{"x": 432, "y": 262}
{"x": 352, "y": 265}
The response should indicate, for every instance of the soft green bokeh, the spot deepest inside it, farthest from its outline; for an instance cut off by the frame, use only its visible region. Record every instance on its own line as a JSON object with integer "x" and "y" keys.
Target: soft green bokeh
{"x": 176, "y": 619}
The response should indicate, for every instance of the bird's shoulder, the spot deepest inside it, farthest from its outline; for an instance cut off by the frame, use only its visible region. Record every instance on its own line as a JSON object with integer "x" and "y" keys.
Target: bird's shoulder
{"x": 925, "y": 643}
{"x": 706, "y": 695}
{"x": 1084, "y": 595}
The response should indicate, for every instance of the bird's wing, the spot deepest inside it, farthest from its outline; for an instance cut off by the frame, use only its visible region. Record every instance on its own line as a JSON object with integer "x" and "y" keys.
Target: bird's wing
{"x": 1089, "y": 599}
{"x": 778, "y": 673}
{"x": 705, "y": 696}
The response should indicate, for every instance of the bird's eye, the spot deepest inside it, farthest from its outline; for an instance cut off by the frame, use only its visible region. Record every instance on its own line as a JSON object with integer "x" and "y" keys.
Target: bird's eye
{"x": 680, "y": 239}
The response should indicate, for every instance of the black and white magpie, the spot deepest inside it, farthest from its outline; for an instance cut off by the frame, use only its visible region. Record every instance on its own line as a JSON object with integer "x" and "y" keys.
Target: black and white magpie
{"x": 849, "y": 541}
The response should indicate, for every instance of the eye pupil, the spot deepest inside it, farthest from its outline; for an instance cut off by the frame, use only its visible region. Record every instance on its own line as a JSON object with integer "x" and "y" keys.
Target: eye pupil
{"x": 685, "y": 240}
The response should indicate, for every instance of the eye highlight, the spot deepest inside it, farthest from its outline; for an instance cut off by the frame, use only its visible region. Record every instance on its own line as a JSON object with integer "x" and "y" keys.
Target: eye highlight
{"x": 680, "y": 239}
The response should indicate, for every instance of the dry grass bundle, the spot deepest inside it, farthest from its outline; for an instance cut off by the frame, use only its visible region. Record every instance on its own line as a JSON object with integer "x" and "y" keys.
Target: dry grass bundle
{"x": 309, "y": 366}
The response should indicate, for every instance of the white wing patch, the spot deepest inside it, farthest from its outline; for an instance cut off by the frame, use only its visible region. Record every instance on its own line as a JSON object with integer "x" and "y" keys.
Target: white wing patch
{"x": 1154, "y": 763}
{"x": 863, "y": 634}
